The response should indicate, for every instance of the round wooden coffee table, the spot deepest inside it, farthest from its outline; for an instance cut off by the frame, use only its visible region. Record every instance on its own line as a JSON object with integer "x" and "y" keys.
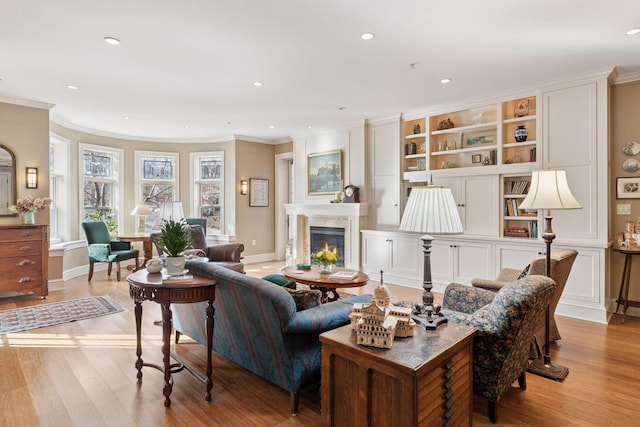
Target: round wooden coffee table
{"x": 324, "y": 282}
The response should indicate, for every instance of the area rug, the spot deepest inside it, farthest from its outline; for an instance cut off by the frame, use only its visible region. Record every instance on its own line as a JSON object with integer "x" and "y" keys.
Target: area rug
{"x": 37, "y": 316}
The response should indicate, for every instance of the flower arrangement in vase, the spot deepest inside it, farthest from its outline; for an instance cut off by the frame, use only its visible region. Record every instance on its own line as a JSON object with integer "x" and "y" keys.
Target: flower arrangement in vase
{"x": 325, "y": 259}
{"x": 28, "y": 206}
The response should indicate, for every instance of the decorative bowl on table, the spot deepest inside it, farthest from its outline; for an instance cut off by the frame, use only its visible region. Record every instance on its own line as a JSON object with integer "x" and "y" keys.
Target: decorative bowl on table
{"x": 154, "y": 265}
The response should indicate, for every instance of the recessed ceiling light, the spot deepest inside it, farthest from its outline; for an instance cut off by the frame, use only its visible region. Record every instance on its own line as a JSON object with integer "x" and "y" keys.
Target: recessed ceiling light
{"x": 187, "y": 127}
{"x": 272, "y": 127}
{"x": 257, "y": 84}
{"x": 445, "y": 81}
{"x": 633, "y": 31}
{"x": 367, "y": 36}
{"x": 126, "y": 117}
{"x": 72, "y": 87}
{"x": 309, "y": 127}
{"x": 112, "y": 40}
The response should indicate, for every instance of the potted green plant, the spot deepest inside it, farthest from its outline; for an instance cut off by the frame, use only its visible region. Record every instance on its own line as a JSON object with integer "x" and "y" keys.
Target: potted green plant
{"x": 174, "y": 239}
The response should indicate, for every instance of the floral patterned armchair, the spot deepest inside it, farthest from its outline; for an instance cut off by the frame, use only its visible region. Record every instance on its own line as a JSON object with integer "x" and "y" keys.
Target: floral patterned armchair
{"x": 507, "y": 320}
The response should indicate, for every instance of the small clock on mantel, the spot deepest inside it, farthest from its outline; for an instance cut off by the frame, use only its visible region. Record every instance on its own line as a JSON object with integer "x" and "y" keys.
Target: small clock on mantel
{"x": 351, "y": 194}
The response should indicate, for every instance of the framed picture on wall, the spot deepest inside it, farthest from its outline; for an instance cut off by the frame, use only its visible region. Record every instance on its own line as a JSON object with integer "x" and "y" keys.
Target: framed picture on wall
{"x": 324, "y": 172}
{"x": 258, "y": 192}
{"x": 627, "y": 188}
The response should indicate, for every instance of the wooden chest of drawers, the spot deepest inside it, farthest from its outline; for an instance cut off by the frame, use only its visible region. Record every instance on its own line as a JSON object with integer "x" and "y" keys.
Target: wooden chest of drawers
{"x": 424, "y": 380}
{"x": 24, "y": 253}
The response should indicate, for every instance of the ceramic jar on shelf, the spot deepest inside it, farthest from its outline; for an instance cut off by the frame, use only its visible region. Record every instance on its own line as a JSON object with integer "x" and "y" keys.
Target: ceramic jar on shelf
{"x": 521, "y": 134}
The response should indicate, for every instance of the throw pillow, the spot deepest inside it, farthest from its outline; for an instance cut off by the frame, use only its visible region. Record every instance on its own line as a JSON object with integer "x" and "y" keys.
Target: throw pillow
{"x": 304, "y": 298}
{"x": 279, "y": 279}
{"x": 524, "y": 272}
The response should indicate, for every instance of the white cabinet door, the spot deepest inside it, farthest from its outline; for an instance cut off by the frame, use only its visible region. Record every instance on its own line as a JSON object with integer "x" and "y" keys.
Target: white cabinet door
{"x": 375, "y": 252}
{"x": 472, "y": 259}
{"x": 442, "y": 261}
{"x": 399, "y": 255}
{"x": 571, "y": 132}
{"x": 515, "y": 256}
{"x": 478, "y": 201}
{"x": 406, "y": 253}
{"x": 384, "y": 165}
{"x": 481, "y": 204}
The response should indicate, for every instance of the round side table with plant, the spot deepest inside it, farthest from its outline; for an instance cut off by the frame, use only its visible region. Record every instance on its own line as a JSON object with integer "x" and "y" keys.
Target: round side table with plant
{"x": 174, "y": 239}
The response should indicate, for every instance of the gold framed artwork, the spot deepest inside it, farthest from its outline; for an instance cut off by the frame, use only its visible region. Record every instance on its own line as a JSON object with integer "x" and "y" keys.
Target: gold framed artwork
{"x": 324, "y": 172}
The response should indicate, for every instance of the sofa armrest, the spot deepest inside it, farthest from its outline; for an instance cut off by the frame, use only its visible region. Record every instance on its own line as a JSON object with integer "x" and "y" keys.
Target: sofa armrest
{"x": 466, "y": 299}
{"x": 320, "y": 318}
{"x": 488, "y": 284}
{"x": 226, "y": 252}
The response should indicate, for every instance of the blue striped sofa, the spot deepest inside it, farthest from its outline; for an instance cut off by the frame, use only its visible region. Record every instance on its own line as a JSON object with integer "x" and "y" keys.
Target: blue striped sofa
{"x": 257, "y": 327}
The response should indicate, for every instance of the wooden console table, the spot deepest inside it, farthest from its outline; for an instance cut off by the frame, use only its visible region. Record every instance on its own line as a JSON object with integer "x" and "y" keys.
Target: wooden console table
{"x": 422, "y": 380}
{"x": 144, "y": 286}
{"x": 623, "y": 295}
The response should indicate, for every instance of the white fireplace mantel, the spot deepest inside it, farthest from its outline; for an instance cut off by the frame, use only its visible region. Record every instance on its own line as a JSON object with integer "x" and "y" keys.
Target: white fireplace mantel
{"x": 352, "y": 215}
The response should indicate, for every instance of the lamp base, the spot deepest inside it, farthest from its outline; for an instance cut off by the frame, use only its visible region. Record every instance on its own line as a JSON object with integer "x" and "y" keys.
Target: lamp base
{"x": 548, "y": 370}
{"x": 430, "y": 323}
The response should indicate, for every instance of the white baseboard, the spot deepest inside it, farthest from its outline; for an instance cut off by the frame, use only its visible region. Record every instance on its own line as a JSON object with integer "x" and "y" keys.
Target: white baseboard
{"x": 249, "y": 259}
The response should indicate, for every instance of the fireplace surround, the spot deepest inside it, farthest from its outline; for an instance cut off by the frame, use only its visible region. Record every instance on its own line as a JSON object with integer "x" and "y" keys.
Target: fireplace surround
{"x": 352, "y": 217}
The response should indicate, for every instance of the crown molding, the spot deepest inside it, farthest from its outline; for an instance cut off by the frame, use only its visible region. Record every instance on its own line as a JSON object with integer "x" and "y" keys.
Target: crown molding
{"x": 26, "y": 102}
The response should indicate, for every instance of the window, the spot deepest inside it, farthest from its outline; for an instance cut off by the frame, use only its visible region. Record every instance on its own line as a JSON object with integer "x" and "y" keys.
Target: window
{"x": 59, "y": 211}
{"x": 156, "y": 180}
{"x": 208, "y": 189}
{"x": 101, "y": 172}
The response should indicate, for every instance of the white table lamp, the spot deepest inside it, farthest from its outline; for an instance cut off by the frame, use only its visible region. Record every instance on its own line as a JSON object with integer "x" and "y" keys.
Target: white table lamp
{"x": 432, "y": 210}
{"x": 549, "y": 190}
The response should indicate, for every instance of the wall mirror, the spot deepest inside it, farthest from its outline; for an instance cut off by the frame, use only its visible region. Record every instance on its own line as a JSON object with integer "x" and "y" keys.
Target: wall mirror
{"x": 7, "y": 180}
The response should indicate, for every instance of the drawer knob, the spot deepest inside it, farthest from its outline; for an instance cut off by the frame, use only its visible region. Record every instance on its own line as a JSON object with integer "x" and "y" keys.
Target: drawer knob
{"x": 26, "y": 234}
{"x": 26, "y": 262}
{"x": 25, "y": 280}
{"x": 25, "y": 249}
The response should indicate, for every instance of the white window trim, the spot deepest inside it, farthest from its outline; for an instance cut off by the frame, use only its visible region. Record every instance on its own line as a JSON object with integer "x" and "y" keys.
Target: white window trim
{"x": 119, "y": 200}
{"x": 61, "y": 148}
{"x": 138, "y": 174}
{"x": 194, "y": 159}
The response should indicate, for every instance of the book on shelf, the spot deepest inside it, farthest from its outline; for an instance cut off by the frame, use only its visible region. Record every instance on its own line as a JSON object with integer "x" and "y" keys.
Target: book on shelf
{"x": 516, "y": 232}
{"x": 344, "y": 275}
{"x": 176, "y": 278}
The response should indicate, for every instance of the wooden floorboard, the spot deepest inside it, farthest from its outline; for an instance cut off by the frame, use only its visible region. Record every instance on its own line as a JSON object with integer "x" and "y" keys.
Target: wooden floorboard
{"x": 82, "y": 374}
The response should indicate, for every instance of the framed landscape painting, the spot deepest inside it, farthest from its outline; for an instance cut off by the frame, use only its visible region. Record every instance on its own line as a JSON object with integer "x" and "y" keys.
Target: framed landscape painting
{"x": 324, "y": 172}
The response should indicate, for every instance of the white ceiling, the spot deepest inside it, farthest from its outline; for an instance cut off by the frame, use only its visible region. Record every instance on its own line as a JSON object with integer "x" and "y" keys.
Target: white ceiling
{"x": 193, "y": 62}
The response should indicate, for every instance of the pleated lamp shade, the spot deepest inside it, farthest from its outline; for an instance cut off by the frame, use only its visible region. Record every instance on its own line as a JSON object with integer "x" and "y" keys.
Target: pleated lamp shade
{"x": 549, "y": 190}
{"x": 432, "y": 210}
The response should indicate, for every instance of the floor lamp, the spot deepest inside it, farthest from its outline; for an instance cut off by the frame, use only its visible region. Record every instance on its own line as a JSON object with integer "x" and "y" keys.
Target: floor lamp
{"x": 432, "y": 210}
{"x": 549, "y": 190}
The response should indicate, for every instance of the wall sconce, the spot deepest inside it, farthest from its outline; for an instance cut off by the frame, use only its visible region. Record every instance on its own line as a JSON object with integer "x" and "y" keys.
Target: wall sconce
{"x": 243, "y": 187}
{"x": 32, "y": 177}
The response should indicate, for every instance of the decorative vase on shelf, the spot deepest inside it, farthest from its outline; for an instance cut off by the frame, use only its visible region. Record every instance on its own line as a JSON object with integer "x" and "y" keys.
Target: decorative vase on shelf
{"x": 521, "y": 134}
{"x": 28, "y": 218}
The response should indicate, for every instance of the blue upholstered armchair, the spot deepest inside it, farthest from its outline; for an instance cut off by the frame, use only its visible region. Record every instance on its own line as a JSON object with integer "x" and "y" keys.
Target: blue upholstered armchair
{"x": 103, "y": 249}
{"x": 507, "y": 321}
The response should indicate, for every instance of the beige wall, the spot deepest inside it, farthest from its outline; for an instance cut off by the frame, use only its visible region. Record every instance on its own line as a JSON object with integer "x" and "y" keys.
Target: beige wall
{"x": 625, "y": 127}
{"x": 255, "y": 160}
{"x": 286, "y": 147}
{"x": 25, "y": 131}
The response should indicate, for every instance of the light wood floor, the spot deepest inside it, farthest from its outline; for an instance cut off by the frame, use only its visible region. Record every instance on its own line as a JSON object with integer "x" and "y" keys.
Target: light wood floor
{"x": 82, "y": 374}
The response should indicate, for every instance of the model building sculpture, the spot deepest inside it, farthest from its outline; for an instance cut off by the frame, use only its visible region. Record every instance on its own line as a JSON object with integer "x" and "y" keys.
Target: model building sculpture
{"x": 378, "y": 323}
